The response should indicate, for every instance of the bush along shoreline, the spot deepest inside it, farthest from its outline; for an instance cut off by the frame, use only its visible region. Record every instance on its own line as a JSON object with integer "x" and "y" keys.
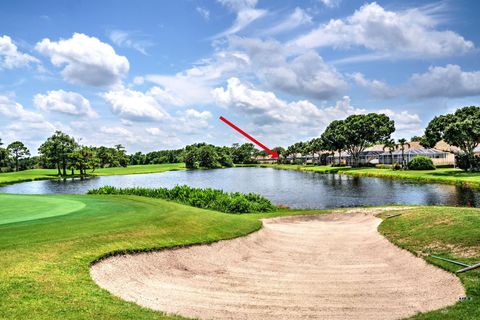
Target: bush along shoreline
{"x": 213, "y": 199}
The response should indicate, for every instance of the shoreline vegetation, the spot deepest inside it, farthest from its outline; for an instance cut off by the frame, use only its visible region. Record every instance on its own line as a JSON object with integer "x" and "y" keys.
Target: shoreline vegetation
{"x": 46, "y": 270}
{"x": 439, "y": 175}
{"x": 205, "y": 198}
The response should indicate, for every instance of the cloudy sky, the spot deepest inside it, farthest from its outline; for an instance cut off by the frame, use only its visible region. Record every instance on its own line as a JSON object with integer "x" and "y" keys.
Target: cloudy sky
{"x": 157, "y": 74}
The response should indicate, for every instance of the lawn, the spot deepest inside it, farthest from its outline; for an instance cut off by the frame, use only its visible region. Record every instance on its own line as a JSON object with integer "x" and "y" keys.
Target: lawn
{"x": 452, "y": 233}
{"x": 44, "y": 270}
{"x": 441, "y": 175}
{"x": 44, "y": 174}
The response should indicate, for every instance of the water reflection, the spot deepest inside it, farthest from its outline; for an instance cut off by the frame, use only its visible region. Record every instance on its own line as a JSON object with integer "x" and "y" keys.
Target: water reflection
{"x": 297, "y": 189}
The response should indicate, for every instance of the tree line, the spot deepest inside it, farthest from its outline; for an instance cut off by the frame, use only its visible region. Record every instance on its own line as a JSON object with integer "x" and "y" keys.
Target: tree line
{"x": 62, "y": 152}
{"x": 353, "y": 135}
{"x": 201, "y": 155}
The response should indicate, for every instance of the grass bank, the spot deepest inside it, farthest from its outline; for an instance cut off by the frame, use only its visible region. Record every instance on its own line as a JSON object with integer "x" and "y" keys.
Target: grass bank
{"x": 452, "y": 233}
{"x": 441, "y": 175}
{"x": 44, "y": 270}
{"x": 45, "y": 174}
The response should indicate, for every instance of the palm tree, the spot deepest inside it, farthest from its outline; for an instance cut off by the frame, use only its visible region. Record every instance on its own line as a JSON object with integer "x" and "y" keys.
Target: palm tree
{"x": 391, "y": 146}
{"x": 402, "y": 143}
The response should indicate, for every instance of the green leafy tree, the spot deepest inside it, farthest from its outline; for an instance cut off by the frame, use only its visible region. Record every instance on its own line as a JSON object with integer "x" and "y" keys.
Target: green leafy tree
{"x": 18, "y": 151}
{"x": 83, "y": 158}
{"x": 243, "y": 153}
{"x": 57, "y": 149}
{"x": 208, "y": 157}
{"x": 333, "y": 138}
{"x": 225, "y": 157}
{"x": 315, "y": 146}
{"x": 402, "y": 143}
{"x": 120, "y": 156}
{"x": 3, "y": 155}
{"x": 191, "y": 159}
{"x": 362, "y": 130}
{"x": 460, "y": 129}
{"x": 391, "y": 146}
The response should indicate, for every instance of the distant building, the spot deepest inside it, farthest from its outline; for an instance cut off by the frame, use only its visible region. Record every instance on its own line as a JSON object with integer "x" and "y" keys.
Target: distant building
{"x": 441, "y": 154}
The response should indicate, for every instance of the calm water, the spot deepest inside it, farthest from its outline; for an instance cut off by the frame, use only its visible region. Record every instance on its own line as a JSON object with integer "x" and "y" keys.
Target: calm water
{"x": 295, "y": 189}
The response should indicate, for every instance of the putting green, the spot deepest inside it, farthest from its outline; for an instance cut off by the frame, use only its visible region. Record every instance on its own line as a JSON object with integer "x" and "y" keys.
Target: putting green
{"x": 16, "y": 208}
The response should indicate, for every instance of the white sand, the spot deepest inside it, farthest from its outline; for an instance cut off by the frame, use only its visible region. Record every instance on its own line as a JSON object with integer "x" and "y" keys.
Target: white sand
{"x": 319, "y": 267}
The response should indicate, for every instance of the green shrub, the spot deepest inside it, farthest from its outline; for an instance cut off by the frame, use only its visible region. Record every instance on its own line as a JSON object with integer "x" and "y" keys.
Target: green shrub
{"x": 421, "y": 163}
{"x": 396, "y": 166}
{"x": 230, "y": 202}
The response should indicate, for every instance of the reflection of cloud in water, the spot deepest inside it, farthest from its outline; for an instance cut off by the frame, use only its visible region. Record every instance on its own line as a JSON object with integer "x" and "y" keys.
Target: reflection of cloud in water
{"x": 298, "y": 189}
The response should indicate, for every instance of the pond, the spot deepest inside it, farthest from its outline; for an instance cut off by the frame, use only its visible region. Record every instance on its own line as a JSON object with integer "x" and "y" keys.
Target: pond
{"x": 296, "y": 189}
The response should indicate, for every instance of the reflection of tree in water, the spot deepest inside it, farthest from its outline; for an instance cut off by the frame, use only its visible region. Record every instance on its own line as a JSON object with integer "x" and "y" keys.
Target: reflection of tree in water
{"x": 467, "y": 197}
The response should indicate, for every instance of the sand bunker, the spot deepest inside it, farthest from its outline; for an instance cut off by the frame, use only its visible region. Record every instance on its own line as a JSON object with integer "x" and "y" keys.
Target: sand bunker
{"x": 322, "y": 267}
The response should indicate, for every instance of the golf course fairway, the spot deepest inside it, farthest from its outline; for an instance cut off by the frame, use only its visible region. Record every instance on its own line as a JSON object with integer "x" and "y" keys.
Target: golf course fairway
{"x": 45, "y": 263}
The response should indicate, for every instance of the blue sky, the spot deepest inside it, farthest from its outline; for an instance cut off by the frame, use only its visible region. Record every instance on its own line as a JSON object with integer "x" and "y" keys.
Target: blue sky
{"x": 157, "y": 74}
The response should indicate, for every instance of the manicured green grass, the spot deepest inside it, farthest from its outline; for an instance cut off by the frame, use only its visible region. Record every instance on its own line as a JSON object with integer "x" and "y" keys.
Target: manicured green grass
{"x": 44, "y": 265}
{"x": 17, "y": 208}
{"x": 27, "y": 175}
{"x": 452, "y": 233}
{"x": 147, "y": 168}
{"x": 44, "y": 174}
{"x": 441, "y": 175}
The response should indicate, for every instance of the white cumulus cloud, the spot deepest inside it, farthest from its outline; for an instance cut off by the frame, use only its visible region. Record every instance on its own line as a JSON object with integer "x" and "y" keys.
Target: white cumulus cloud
{"x": 267, "y": 109}
{"x": 448, "y": 81}
{"x": 302, "y": 73}
{"x": 135, "y": 105}
{"x": 66, "y": 102}
{"x": 10, "y": 57}
{"x": 377, "y": 88}
{"x": 14, "y": 110}
{"x": 413, "y": 32}
{"x": 86, "y": 60}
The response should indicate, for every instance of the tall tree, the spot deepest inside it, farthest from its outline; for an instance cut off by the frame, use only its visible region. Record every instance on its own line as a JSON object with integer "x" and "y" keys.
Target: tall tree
{"x": 315, "y": 146}
{"x": 362, "y": 130}
{"x": 333, "y": 138}
{"x": 58, "y": 149}
{"x": 18, "y": 151}
{"x": 83, "y": 158}
{"x": 403, "y": 143}
{"x": 460, "y": 129}
{"x": 243, "y": 153}
{"x": 3, "y": 155}
{"x": 208, "y": 157}
{"x": 391, "y": 146}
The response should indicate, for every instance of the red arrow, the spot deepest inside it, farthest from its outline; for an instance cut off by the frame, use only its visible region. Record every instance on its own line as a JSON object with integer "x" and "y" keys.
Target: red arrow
{"x": 274, "y": 154}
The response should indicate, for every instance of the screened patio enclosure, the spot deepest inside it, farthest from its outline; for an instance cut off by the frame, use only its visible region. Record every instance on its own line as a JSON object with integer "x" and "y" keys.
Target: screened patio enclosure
{"x": 437, "y": 156}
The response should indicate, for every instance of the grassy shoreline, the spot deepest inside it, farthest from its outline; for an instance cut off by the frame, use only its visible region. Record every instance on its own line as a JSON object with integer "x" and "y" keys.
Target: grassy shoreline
{"x": 44, "y": 270}
{"x": 441, "y": 175}
{"x": 443, "y": 231}
{"x": 47, "y": 174}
